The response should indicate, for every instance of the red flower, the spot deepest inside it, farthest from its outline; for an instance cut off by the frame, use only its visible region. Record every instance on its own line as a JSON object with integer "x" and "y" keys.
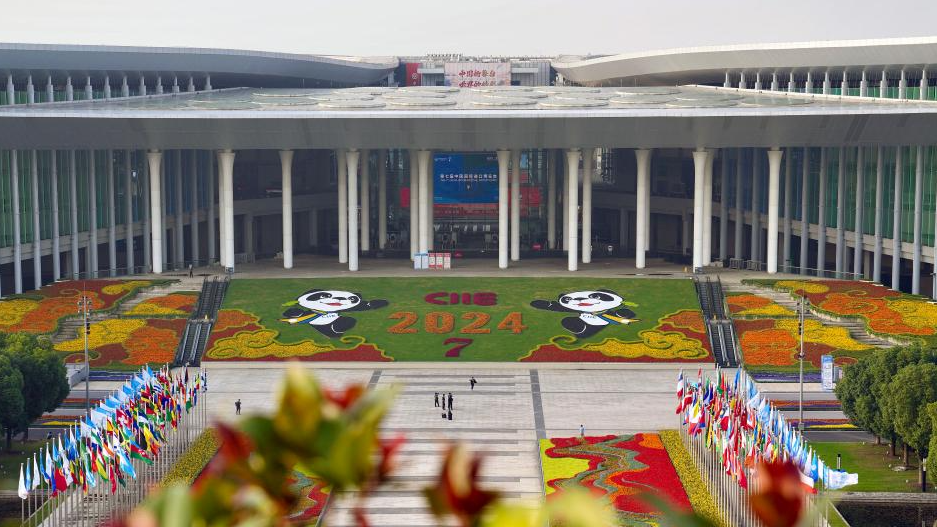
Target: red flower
{"x": 389, "y": 449}
{"x": 345, "y": 398}
{"x": 457, "y": 491}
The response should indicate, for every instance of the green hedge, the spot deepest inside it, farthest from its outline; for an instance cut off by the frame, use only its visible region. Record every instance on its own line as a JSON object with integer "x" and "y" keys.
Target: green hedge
{"x": 193, "y": 461}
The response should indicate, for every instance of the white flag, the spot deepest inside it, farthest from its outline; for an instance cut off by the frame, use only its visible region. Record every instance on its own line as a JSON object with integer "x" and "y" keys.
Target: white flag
{"x": 21, "y": 491}
{"x": 840, "y": 478}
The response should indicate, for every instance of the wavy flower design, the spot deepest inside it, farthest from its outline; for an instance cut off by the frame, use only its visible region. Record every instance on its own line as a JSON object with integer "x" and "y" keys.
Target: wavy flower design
{"x": 776, "y": 343}
{"x": 749, "y": 304}
{"x": 126, "y": 342}
{"x": 620, "y": 468}
{"x": 173, "y": 304}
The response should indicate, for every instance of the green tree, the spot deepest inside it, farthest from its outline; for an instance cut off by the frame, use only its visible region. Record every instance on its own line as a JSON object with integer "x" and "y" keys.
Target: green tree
{"x": 44, "y": 381}
{"x": 912, "y": 389}
{"x": 859, "y": 404}
{"x": 932, "y": 460}
{"x": 885, "y": 365}
{"x": 11, "y": 399}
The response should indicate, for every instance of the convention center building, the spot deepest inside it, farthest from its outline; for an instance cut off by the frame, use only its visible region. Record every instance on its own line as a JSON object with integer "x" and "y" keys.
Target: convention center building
{"x": 811, "y": 158}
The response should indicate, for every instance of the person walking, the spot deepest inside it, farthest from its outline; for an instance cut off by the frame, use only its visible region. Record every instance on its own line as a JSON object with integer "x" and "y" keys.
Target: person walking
{"x": 582, "y": 431}
{"x": 472, "y": 383}
{"x": 237, "y": 407}
{"x": 444, "y": 402}
{"x": 190, "y": 271}
{"x": 436, "y": 399}
{"x": 450, "y": 400}
{"x": 450, "y": 413}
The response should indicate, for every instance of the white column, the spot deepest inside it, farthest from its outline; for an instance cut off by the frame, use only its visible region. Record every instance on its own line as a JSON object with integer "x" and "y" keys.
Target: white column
{"x": 365, "y": 204}
{"x": 430, "y": 205}
{"x": 342, "y": 164}
{"x": 50, "y": 90}
{"x": 382, "y": 199}
{"x": 564, "y": 199}
{"x": 175, "y": 87}
{"x": 896, "y": 223}
{"x": 723, "y": 207}
{"x": 128, "y": 212}
{"x": 226, "y": 169}
{"x": 841, "y": 213}
{"x": 222, "y": 214}
{"x": 923, "y": 87}
{"x": 351, "y": 158}
{"x": 56, "y": 249}
{"x": 864, "y": 86}
{"x": 159, "y": 85}
{"x": 191, "y": 86}
{"x": 643, "y": 159}
{"x": 588, "y": 159}
{"x": 572, "y": 206}
{"x": 93, "y": 214}
{"x": 739, "y": 210}
{"x": 879, "y": 213}
{"x": 515, "y": 205}
{"x": 89, "y": 90}
{"x": 124, "y": 87}
{"x": 756, "y": 209}
{"x": 883, "y": 85}
{"x": 826, "y": 83}
{"x": 73, "y": 203}
{"x": 700, "y": 157}
{"x": 788, "y": 186}
{"x": 860, "y": 212}
{"x": 30, "y": 93}
{"x": 11, "y": 90}
{"x": 207, "y": 82}
{"x": 821, "y": 218}
{"x": 286, "y": 173}
{"x": 37, "y": 238}
{"x": 107, "y": 87}
{"x": 918, "y": 213}
{"x": 551, "y": 200}
{"x": 424, "y": 199}
{"x": 414, "y": 159}
{"x": 69, "y": 90}
{"x": 903, "y": 86}
{"x": 804, "y": 211}
{"x": 210, "y": 225}
{"x": 155, "y": 159}
{"x": 774, "y": 180}
{"x": 708, "y": 208}
{"x": 504, "y": 159}
{"x": 111, "y": 220}
{"x": 142, "y": 89}
{"x": 194, "y": 222}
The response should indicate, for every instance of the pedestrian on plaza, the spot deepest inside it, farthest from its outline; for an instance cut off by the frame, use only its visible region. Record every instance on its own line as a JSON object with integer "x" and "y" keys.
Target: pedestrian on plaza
{"x": 472, "y": 383}
{"x": 436, "y": 399}
{"x": 582, "y": 431}
{"x": 237, "y": 407}
{"x": 450, "y": 413}
{"x": 190, "y": 271}
{"x": 444, "y": 402}
{"x": 450, "y": 400}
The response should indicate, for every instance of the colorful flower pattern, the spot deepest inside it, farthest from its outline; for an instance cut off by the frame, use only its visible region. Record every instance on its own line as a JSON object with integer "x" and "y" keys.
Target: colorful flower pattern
{"x": 173, "y": 304}
{"x": 776, "y": 343}
{"x": 749, "y": 304}
{"x": 124, "y": 342}
{"x": 41, "y": 311}
{"x": 619, "y": 468}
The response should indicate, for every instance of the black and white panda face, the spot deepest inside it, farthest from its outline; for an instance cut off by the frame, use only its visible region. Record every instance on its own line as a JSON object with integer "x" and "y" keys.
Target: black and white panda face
{"x": 329, "y": 301}
{"x": 590, "y": 301}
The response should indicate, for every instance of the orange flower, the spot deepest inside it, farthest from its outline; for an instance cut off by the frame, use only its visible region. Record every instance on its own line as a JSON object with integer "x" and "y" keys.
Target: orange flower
{"x": 150, "y": 344}
{"x": 768, "y": 347}
{"x": 688, "y": 318}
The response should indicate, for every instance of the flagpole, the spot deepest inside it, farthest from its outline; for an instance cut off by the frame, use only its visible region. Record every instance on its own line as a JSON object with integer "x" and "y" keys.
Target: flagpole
{"x": 803, "y": 305}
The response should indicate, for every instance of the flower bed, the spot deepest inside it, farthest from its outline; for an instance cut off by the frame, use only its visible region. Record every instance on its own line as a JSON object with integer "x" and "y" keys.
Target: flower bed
{"x": 171, "y": 305}
{"x": 756, "y": 306}
{"x": 885, "y": 312}
{"x": 462, "y": 319}
{"x": 41, "y": 311}
{"x": 620, "y": 468}
{"x": 193, "y": 461}
{"x": 697, "y": 492}
{"x": 126, "y": 342}
{"x": 772, "y": 344}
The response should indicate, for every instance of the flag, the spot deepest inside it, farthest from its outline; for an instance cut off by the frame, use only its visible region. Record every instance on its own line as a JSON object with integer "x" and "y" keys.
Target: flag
{"x": 837, "y": 479}
{"x": 29, "y": 478}
{"x": 21, "y": 490}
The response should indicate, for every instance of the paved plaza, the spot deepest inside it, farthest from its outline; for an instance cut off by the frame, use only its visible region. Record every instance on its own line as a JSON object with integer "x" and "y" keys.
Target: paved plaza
{"x": 510, "y": 408}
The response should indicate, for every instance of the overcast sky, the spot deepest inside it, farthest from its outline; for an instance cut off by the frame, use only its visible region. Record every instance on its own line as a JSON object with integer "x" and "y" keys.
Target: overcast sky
{"x": 490, "y": 27}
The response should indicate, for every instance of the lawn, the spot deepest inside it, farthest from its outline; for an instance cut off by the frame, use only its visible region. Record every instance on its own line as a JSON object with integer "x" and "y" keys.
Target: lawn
{"x": 461, "y": 319}
{"x": 10, "y": 462}
{"x": 871, "y": 462}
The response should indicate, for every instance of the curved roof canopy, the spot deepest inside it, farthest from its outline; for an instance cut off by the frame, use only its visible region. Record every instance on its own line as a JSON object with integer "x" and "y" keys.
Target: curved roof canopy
{"x": 710, "y": 64}
{"x": 226, "y": 66}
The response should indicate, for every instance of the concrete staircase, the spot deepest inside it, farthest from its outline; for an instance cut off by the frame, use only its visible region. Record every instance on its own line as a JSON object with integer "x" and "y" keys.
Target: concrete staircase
{"x": 71, "y": 326}
{"x": 856, "y": 328}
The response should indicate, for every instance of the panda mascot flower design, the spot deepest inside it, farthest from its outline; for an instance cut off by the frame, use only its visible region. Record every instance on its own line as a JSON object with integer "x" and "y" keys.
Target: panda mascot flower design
{"x": 324, "y": 310}
{"x": 594, "y": 311}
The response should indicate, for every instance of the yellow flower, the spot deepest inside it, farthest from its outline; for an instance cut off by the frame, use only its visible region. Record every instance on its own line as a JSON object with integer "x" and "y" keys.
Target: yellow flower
{"x": 262, "y": 343}
{"x": 120, "y": 287}
{"x": 915, "y": 313}
{"x": 700, "y": 497}
{"x": 807, "y": 286}
{"x": 113, "y": 331}
{"x": 12, "y": 311}
{"x": 654, "y": 344}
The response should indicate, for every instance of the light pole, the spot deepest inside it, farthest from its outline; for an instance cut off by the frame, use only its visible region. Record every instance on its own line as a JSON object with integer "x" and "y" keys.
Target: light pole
{"x": 803, "y": 304}
{"x": 84, "y": 303}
